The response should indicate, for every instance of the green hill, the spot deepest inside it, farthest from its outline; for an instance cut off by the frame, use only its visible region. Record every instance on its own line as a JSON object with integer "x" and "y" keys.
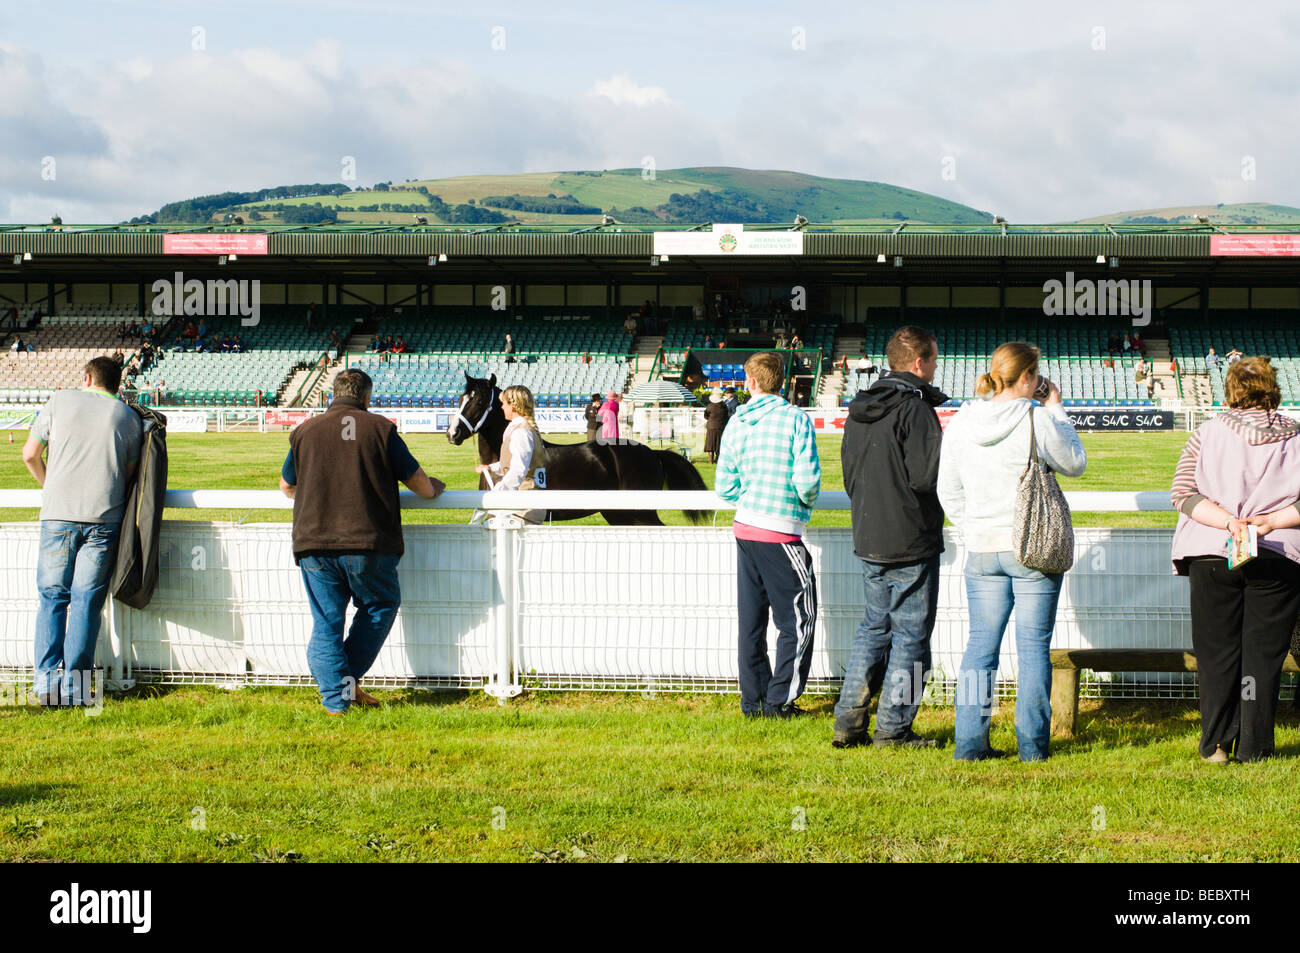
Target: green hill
{"x": 578, "y": 197}
{"x": 1250, "y": 213}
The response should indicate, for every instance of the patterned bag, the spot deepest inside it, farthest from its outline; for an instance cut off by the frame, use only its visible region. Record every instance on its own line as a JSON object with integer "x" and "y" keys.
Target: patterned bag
{"x": 1042, "y": 536}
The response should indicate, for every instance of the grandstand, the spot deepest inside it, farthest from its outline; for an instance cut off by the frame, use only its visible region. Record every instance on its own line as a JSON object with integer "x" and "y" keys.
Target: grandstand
{"x": 273, "y": 350}
{"x": 63, "y": 344}
{"x": 430, "y": 380}
{"x": 568, "y": 290}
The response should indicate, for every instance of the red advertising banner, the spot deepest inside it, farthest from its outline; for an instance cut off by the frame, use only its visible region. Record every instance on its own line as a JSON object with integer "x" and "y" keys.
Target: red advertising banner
{"x": 832, "y": 421}
{"x": 286, "y": 418}
{"x": 214, "y": 244}
{"x": 1255, "y": 245}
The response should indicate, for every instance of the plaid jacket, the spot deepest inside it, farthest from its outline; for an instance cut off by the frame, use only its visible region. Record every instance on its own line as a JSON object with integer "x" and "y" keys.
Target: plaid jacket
{"x": 768, "y": 465}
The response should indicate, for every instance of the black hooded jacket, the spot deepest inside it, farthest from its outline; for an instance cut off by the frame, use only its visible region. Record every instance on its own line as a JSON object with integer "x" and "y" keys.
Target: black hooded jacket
{"x": 890, "y": 457}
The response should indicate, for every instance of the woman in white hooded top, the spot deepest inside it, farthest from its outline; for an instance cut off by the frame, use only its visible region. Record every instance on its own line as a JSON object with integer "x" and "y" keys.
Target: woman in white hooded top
{"x": 985, "y": 449}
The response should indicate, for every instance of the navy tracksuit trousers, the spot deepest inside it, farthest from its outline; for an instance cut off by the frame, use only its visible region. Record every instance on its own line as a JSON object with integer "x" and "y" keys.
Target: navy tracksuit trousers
{"x": 775, "y": 577}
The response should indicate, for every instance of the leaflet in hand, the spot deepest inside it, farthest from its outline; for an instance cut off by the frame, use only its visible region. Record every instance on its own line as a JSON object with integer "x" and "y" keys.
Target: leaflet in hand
{"x": 1246, "y": 550}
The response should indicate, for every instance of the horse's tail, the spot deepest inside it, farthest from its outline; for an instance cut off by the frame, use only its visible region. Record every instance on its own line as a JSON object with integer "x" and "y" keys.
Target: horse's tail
{"x": 680, "y": 474}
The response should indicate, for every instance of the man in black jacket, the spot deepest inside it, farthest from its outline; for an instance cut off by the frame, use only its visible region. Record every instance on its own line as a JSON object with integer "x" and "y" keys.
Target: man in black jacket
{"x": 890, "y": 457}
{"x": 592, "y": 414}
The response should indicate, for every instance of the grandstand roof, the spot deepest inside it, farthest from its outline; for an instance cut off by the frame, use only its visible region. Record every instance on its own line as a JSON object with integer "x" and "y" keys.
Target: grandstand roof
{"x": 933, "y": 252}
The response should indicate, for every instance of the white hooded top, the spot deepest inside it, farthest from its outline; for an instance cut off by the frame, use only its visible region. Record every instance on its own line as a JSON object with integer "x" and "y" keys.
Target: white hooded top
{"x": 985, "y": 449}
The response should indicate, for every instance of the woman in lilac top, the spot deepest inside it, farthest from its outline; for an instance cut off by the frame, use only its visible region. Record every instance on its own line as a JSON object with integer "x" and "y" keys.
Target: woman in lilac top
{"x": 1239, "y": 469}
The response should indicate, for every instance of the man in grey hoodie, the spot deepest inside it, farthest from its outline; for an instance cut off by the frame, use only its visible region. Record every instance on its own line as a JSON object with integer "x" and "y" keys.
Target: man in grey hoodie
{"x": 985, "y": 449}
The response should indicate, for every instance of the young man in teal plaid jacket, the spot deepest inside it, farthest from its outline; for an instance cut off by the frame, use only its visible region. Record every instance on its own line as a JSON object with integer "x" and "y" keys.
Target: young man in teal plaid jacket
{"x": 768, "y": 467}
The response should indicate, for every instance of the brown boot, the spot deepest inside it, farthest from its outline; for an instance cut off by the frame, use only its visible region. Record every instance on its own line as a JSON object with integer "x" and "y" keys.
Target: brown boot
{"x": 367, "y": 699}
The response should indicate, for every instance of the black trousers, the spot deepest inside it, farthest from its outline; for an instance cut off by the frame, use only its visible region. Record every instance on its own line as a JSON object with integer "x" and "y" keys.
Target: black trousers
{"x": 1241, "y": 632}
{"x": 776, "y": 578}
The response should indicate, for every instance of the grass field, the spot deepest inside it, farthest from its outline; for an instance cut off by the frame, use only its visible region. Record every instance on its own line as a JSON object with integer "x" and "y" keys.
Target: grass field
{"x": 252, "y": 462}
{"x": 260, "y": 774}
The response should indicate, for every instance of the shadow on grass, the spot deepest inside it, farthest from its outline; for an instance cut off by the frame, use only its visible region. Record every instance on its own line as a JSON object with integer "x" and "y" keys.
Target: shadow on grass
{"x": 1132, "y": 723}
{"x": 429, "y": 697}
{"x": 12, "y": 795}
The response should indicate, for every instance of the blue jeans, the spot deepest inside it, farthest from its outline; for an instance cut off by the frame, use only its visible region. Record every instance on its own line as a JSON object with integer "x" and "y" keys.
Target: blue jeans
{"x": 995, "y": 583}
{"x": 894, "y": 635}
{"x": 72, "y": 577}
{"x": 370, "y": 581}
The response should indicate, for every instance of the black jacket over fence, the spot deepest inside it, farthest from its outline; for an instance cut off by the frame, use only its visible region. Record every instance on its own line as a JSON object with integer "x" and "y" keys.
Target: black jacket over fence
{"x": 890, "y": 457}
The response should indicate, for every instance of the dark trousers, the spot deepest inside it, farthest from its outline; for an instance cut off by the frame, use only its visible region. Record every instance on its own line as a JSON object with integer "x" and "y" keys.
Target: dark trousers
{"x": 776, "y": 578}
{"x": 1241, "y": 632}
{"x": 592, "y": 433}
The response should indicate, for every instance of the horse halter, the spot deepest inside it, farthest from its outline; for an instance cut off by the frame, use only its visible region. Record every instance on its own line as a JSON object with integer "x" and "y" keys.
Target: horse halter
{"x": 474, "y": 428}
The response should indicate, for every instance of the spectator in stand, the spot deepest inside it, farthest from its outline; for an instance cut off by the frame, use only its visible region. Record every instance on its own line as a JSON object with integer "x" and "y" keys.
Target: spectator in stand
{"x": 985, "y": 451}
{"x": 629, "y": 325}
{"x": 347, "y": 533}
{"x": 708, "y": 342}
{"x": 376, "y": 343}
{"x": 1240, "y": 468}
{"x": 768, "y": 467}
{"x": 203, "y": 328}
{"x": 781, "y": 342}
{"x": 91, "y": 444}
{"x": 311, "y": 315}
{"x": 15, "y": 345}
{"x": 608, "y": 414}
{"x": 237, "y": 345}
{"x": 1233, "y": 357}
{"x": 119, "y": 358}
{"x": 697, "y": 310}
{"x": 796, "y": 342}
{"x": 716, "y": 416}
{"x": 190, "y": 331}
{"x": 509, "y": 349}
{"x": 1139, "y": 345}
{"x": 592, "y": 415}
{"x": 1113, "y": 344}
{"x": 399, "y": 346}
{"x": 890, "y": 457}
{"x": 1212, "y": 359}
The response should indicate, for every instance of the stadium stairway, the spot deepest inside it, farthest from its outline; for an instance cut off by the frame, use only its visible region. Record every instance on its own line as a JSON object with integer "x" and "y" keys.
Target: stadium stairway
{"x": 848, "y": 348}
{"x": 645, "y": 347}
{"x": 1161, "y": 361}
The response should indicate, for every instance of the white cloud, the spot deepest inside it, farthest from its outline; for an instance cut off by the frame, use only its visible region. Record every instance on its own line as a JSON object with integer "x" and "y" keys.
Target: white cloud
{"x": 622, "y": 90}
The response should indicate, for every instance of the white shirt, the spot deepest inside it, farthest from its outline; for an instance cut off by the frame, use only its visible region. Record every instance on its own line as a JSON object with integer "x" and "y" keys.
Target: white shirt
{"x": 522, "y": 441}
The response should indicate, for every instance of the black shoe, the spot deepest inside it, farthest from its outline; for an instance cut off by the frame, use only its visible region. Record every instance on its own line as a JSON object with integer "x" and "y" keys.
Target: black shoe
{"x": 991, "y": 754}
{"x": 909, "y": 740}
{"x": 784, "y": 711}
{"x": 861, "y": 741}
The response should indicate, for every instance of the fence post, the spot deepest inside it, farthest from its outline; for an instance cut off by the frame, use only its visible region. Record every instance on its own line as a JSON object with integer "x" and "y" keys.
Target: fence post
{"x": 502, "y": 684}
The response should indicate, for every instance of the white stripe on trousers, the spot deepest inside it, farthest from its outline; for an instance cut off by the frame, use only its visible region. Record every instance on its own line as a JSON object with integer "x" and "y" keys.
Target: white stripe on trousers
{"x": 805, "y": 612}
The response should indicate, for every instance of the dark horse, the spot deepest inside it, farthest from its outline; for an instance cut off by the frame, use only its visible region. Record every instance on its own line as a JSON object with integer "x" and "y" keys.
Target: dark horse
{"x": 598, "y": 465}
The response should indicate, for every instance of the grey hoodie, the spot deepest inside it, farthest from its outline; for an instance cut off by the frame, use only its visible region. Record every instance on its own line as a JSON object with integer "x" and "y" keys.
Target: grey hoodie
{"x": 985, "y": 449}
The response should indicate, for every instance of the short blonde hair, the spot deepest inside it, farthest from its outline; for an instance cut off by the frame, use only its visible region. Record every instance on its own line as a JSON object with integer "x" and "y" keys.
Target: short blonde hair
{"x": 1007, "y": 365}
{"x": 768, "y": 370}
{"x": 520, "y": 398}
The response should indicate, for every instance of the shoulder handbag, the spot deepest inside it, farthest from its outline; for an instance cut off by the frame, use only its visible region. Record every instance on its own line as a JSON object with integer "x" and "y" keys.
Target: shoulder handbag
{"x": 1042, "y": 535}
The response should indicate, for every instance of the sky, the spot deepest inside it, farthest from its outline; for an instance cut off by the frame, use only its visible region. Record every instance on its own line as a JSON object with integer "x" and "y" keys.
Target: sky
{"x": 1040, "y": 112}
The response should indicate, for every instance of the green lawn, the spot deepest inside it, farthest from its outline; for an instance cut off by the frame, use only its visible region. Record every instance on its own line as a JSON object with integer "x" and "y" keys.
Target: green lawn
{"x": 252, "y": 462}
{"x": 262, "y": 774}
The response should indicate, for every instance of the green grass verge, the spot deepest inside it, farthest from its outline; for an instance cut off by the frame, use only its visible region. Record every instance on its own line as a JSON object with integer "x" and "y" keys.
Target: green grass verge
{"x": 262, "y": 774}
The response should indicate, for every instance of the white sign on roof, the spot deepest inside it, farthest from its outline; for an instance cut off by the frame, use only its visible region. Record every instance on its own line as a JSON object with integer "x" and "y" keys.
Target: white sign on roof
{"x": 728, "y": 240}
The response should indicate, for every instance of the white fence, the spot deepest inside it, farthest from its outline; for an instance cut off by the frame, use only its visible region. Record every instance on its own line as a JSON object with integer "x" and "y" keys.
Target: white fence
{"x": 502, "y": 605}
